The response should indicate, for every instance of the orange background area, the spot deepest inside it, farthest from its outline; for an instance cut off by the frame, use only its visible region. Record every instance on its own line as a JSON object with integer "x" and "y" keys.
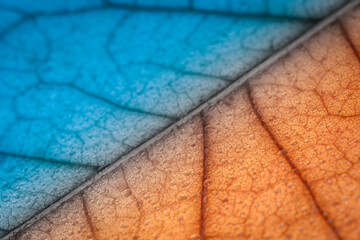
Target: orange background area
{"x": 276, "y": 159}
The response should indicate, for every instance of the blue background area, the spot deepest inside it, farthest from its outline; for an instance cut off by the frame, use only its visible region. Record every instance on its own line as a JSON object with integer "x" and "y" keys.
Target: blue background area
{"x": 84, "y": 82}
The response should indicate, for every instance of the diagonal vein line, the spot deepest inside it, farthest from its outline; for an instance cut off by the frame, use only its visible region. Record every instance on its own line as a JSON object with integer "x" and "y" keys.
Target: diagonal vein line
{"x": 130, "y": 109}
{"x": 53, "y": 161}
{"x": 346, "y": 35}
{"x": 185, "y": 72}
{"x": 103, "y": 99}
{"x": 87, "y": 216}
{"x": 189, "y": 10}
{"x": 290, "y": 162}
{"x": 204, "y": 178}
{"x": 212, "y": 100}
{"x": 13, "y": 26}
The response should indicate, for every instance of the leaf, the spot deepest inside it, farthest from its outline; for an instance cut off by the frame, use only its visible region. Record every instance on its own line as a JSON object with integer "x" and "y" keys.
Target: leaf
{"x": 85, "y": 82}
{"x": 277, "y": 158}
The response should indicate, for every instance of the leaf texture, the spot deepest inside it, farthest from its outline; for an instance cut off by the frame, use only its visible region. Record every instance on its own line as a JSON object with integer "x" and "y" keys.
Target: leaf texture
{"x": 85, "y": 82}
{"x": 277, "y": 158}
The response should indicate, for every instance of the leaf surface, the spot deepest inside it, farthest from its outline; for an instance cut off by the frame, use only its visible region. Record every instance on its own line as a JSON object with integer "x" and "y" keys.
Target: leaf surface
{"x": 85, "y": 82}
{"x": 277, "y": 158}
